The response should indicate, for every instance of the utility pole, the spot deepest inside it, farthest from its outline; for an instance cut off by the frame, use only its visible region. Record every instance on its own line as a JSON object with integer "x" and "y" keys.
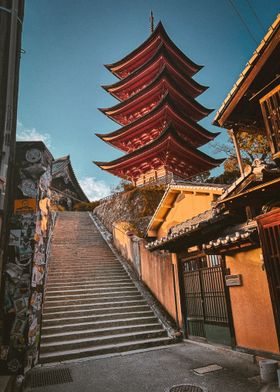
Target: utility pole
{"x": 10, "y": 49}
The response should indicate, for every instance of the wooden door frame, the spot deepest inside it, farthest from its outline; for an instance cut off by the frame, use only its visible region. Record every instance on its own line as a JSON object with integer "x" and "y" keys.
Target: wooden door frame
{"x": 264, "y": 221}
{"x": 182, "y": 258}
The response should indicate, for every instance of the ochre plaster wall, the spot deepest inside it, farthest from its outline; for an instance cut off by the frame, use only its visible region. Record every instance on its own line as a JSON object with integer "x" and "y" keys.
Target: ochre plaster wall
{"x": 251, "y": 304}
{"x": 122, "y": 241}
{"x": 157, "y": 274}
{"x": 186, "y": 206}
{"x": 156, "y": 271}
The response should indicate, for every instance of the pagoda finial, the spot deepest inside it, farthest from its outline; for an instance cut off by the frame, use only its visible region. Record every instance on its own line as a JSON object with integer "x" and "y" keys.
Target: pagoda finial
{"x": 152, "y": 21}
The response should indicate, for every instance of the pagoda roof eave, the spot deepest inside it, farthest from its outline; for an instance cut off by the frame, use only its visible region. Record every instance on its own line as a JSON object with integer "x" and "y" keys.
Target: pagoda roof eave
{"x": 64, "y": 163}
{"x": 166, "y": 100}
{"x": 158, "y": 30}
{"x": 160, "y": 51}
{"x": 169, "y": 132}
{"x": 172, "y": 84}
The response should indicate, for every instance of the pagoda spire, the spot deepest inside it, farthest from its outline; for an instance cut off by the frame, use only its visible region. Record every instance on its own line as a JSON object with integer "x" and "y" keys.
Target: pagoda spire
{"x": 158, "y": 113}
{"x": 152, "y": 21}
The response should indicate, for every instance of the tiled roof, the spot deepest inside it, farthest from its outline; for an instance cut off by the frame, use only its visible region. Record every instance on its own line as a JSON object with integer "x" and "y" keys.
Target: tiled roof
{"x": 240, "y": 236}
{"x": 181, "y": 183}
{"x": 60, "y": 167}
{"x": 186, "y": 228}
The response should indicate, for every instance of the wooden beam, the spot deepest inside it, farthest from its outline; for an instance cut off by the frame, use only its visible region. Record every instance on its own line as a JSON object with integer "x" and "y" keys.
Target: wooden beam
{"x": 256, "y": 68}
{"x": 232, "y": 133}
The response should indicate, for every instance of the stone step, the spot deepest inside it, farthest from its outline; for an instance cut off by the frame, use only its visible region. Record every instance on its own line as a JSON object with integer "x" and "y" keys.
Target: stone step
{"x": 76, "y": 290}
{"x": 94, "y": 311}
{"x": 90, "y": 292}
{"x": 94, "y": 305}
{"x": 78, "y": 259}
{"x": 92, "y": 333}
{"x": 93, "y": 267}
{"x": 102, "y": 350}
{"x": 96, "y": 318}
{"x": 100, "y": 323}
{"x": 95, "y": 279}
{"x": 89, "y": 265}
{"x": 91, "y": 306}
{"x": 98, "y": 298}
{"x": 82, "y": 271}
{"x": 90, "y": 283}
{"x": 63, "y": 292}
{"x": 100, "y": 340}
{"x": 81, "y": 275}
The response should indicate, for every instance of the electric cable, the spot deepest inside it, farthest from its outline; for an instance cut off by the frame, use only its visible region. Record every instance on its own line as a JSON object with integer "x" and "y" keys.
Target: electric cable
{"x": 256, "y": 15}
{"x": 242, "y": 20}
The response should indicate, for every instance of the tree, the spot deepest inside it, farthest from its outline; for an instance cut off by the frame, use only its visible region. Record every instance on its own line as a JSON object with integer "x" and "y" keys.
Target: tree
{"x": 252, "y": 146}
{"x": 123, "y": 186}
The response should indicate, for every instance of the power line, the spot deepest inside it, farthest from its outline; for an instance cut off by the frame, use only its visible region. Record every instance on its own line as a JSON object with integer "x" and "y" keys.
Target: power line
{"x": 256, "y": 15}
{"x": 243, "y": 21}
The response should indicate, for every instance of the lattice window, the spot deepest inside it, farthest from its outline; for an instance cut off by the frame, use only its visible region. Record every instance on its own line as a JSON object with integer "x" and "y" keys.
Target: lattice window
{"x": 270, "y": 105}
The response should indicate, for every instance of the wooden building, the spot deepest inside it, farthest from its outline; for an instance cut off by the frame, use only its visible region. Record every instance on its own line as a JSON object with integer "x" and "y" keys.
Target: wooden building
{"x": 158, "y": 114}
{"x": 66, "y": 190}
{"x": 182, "y": 200}
{"x": 229, "y": 257}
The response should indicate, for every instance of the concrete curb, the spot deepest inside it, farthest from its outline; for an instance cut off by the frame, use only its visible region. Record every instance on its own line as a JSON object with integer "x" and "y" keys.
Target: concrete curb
{"x": 238, "y": 354}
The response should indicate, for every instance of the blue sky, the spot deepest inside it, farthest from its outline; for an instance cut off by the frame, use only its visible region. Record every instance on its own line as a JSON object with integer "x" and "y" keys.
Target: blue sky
{"x": 68, "y": 41}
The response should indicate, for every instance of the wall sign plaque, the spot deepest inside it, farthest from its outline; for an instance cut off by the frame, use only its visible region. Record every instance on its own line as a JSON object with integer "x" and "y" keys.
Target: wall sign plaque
{"x": 33, "y": 155}
{"x": 28, "y": 188}
{"x": 233, "y": 280}
{"x": 24, "y": 206}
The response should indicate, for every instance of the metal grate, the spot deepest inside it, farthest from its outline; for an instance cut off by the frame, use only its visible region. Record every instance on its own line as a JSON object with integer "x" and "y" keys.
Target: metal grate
{"x": 185, "y": 388}
{"x": 43, "y": 378}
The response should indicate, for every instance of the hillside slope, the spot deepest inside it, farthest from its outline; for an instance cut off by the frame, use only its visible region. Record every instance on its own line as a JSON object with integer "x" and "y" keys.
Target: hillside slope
{"x": 135, "y": 207}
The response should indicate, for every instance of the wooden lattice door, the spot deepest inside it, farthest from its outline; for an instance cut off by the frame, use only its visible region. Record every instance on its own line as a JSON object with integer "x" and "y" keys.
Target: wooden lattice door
{"x": 205, "y": 299}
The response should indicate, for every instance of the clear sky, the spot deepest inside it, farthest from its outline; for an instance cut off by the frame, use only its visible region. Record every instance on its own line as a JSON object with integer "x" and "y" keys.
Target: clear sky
{"x": 68, "y": 41}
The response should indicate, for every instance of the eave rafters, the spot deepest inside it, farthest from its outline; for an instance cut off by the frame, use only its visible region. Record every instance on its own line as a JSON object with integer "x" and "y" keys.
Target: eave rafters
{"x": 140, "y": 78}
{"x": 168, "y": 150}
{"x": 144, "y": 101}
{"x": 152, "y": 123}
{"x": 131, "y": 62}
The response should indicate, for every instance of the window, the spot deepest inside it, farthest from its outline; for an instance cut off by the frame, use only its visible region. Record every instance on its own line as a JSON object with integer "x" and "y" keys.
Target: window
{"x": 198, "y": 262}
{"x": 270, "y": 105}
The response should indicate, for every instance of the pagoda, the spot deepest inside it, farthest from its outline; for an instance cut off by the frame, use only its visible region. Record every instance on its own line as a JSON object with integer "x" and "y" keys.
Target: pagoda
{"x": 158, "y": 114}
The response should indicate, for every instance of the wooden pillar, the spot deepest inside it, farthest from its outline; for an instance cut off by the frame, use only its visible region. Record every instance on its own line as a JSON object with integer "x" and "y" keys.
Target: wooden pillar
{"x": 177, "y": 298}
{"x": 232, "y": 134}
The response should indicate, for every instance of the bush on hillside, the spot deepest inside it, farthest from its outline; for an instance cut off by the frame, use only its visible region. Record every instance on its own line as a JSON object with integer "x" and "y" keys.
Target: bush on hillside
{"x": 84, "y": 206}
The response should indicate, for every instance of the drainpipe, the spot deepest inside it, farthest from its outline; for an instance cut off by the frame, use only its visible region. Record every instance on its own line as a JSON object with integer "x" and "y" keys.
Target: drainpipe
{"x": 233, "y": 133}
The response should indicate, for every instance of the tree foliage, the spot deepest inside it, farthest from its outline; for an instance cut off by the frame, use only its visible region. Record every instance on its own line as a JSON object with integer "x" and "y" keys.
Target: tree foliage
{"x": 252, "y": 146}
{"x": 123, "y": 186}
{"x": 84, "y": 206}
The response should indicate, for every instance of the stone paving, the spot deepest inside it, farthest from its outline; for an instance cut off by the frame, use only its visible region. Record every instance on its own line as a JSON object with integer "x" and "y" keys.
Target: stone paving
{"x": 157, "y": 370}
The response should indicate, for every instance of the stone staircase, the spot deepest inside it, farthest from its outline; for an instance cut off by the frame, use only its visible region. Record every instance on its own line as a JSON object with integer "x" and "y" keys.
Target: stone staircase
{"x": 91, "y": 306}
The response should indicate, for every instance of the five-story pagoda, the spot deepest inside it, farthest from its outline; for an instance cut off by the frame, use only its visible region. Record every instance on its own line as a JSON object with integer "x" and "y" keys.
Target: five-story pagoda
{"x": 158, "y": 114}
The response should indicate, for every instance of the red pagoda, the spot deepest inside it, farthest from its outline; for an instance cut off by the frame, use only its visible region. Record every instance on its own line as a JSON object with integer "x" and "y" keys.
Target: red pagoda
{"x": 158, "y": 114}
